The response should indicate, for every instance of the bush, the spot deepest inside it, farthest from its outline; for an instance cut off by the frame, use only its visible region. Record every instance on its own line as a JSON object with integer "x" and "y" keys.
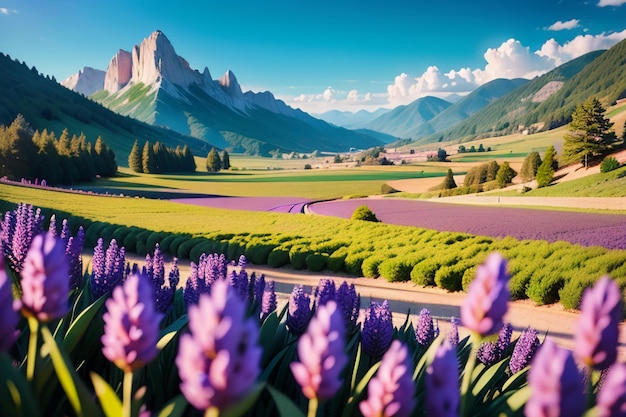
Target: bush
{"x": 396, "y": 270}
{"x": 153, "y": 239}
{"x": 176, "y": 242}
{"x": 544, "y": 287}
{"x": 572, "y": 292}
{"x": 202, "y": 246}
{"x": 316, "y": 262}
{"x": 235, "y": 249}
{"x": 609, "y": 164}
{"x": 370, "y": 266}
{"x": 185, "y": 248}
{"x": 423, "y": 273}
{"x": 468, "y": 277}
{"x": 166, "y": 242}
{"x": 450, "y": 277}
{"x": 387, "y": 189}
{"x": 278, "y": 257}
{"x": 297, "y": 256}
{"x": 520, "y": 279}
{"x": 337, "y": 260}
{"x": 354, "y": 262}
{"x": 257, "y": 252}
{"x": 364, "y": 213}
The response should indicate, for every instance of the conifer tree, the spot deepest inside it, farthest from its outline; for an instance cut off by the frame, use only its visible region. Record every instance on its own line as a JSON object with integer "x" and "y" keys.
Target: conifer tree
{"x": 134, "y": 158}
{"x": 545, "y": 172}
{"x": 505, "y": 174}
{"x": 147, "y": 159}
{"x": 530, "y": 166}
{"x": 225, "y": 160}
{"x": 448, "y": 182}
{"x": 213, "y": 162}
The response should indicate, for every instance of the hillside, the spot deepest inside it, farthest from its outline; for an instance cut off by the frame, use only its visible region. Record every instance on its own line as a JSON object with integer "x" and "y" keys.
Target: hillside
{"x": 526, "y": 107}
{"x": 47, "y": 105}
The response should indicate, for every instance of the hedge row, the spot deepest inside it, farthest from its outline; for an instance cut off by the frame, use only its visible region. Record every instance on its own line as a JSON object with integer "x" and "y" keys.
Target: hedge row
{"x": 544, "y": 272}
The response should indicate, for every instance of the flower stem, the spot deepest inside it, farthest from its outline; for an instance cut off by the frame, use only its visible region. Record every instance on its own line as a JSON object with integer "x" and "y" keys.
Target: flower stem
{"x": 313, "y": 403}
{"x": 128, "y": 394}
{"x": 33, "y": 325}
{"x": 466, "y": 392}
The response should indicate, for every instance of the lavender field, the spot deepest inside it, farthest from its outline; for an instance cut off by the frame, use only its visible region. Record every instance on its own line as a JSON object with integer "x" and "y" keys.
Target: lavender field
{"x": 275, "y": 204}
{"x": 587, "y": 229}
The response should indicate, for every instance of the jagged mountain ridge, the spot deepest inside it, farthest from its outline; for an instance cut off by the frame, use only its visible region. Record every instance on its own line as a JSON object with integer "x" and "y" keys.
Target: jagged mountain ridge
{"x": 153, "y": 84}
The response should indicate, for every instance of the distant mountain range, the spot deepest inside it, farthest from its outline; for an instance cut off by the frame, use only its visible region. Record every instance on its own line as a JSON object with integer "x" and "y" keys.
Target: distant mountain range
{"x": 155, "y": 85}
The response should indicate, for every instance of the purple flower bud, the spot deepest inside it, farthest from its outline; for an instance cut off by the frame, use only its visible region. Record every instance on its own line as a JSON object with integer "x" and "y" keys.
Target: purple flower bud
{"x": 243, "y": 262}
{"x": 18, "y": 230}
{"x": 390, "y": 392}
{"x": 486, "y": 302}
{"x": 556, "y": 386}
{"x": 596, "y": 335}
{"x": 350, "y": 303}
{"x": 218, "y": 363}
{"x": 131, "y": 324}
{"x": 612, "y": 396}
{"x": 453, "y": 334}
{"x": 524, "y": 350}
{"x": 45, "y": 279}
{"x": 377, "y": 329}
{"x": 491, "y": 352}
{"x": 321, "y": 354}
{"x": 8, "y": 311}
{"x": 74, "y": 252}
{"x": 425, "y": 332}
{"x": 442, "y": 383}
{"x": 325, "y": 291}
{"x": 268, "y": 303}
{"x": 299, "y": 312}
{"x": 258, "y": 288}
{"x": 191, "y": 293}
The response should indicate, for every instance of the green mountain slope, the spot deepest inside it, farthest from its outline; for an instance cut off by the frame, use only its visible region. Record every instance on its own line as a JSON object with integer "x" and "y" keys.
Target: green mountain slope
{"x": 45, "y": 104}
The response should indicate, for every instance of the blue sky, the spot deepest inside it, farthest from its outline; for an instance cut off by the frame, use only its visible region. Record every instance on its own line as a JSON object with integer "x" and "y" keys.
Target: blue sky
{"x": 321, "y": 55}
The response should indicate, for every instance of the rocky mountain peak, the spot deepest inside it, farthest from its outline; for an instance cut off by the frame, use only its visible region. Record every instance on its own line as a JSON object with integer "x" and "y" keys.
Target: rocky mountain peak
{"x": 229, "y": 82}
{"x": 86, "y": 81}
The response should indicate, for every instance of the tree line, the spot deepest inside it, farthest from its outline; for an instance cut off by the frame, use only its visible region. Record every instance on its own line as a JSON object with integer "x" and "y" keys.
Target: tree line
{"x": 157, "y": 158}
{"x": 40, "y": 156}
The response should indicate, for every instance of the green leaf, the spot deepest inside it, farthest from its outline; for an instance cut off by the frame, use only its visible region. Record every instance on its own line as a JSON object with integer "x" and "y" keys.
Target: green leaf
{"x": 174, "y": 408}
{"x": 286, "y": 407}
{"x": 77, "y": 394}
{"x": 15, "y": 395}
{"x": 110, "y": 402}
{"x": 489, "y": 379}
{"x": 242, "y": 406}
{"x": 81, "y": 324}
{"x": 519, "y": 398}
{"x": 166, "y": 335}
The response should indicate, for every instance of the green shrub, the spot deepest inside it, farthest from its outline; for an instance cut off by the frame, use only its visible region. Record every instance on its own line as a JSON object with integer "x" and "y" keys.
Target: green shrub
{"x": 142, "y": 237}
{"x": 572, "y": 292}
{"x": 236, "y": 248}
{"x": 176, "y": 242}
{"x": 544, "y": 287}
{"x": 396, "y": 269}
{"x": 468, "y": 277}
{"x": 354, "y": 262}
{"x": 278, "y": 257}
{"x": 423, "y": 273}
{"x": 520, "y": 279}
{"x": 257, "y": 252}
{"x": 297, "y": 256}
{"x": 609, "y": 164}
{"x": 370, "y": 266}
{"x": 119, "y": 234}
{"x": 185, "y": 248}
{"x": 166, "y": 242}
{"x": 337, "y": 260}
{"x": 153, "y": 239}
{"x": 450, "y": 277}
{"x": 387, "y": 189}
{"x": 364, "y": 213}
{"x": 130, "y": 241}
{"x": 202, "y": 246}
{"x": 316, "y": 262}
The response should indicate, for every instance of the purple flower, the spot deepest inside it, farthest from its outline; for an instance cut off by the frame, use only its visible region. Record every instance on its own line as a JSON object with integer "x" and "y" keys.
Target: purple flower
{"x": 321, "y": 354}
{"x": 45, "y": 279}
{"x": 491, "y": 352}
{"x": 377, "y": 329}
{"x": 556, "y": 386}
{"x": 442, "y": 383}
{"x": 299, "y": 312}
{"x": 349, "y": 302}
{"x": 425, "y": 332}
{"x": 612, "y": 396}
{"x": 596, "y": 335}
{"x": 524, "y": 350}
{"x": 107, "y": 268}
{"x": 8, "y": 311}
{"x": 390, "y": 392}
{"x": 131, "y": 324}
{"x": 325, "y": 291}
{"x": 18, "y": 230}
{"x": 486, "y": 302}
{"x": 164, "y": 295}
{"x": 218, "y": 362}
{"x": 268, "y": 302}
{"x": 242, "y": 262}
{"x": 74, "y": 252}
{"x": 453, "y": 334}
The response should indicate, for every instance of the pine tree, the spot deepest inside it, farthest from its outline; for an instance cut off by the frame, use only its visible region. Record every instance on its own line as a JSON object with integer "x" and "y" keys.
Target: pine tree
{"x": 225, "y": 160}
{"x": 213, "y": 162}
{"x": 134, "y": 158}
{"x": 591, "y": 133}
{"x": 530, "y": 166}
{"x": 147, "y": 159}
{"x": 448, "y": 182}
{"x": 545, "y": 172}
{"x": 505, "y": 174}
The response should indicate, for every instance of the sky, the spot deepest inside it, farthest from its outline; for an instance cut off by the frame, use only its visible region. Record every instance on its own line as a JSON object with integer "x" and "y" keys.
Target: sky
{"x": 323, "y": 55}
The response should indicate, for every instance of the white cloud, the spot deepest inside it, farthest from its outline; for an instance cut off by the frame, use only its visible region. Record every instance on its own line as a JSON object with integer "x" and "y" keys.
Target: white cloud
{"x": 4, "y": 10}
{"x": 578, "y": 46}
{"x": 340, "y": 100}
{"x": 604, "y": 3}
{"x": 570, "y": 24}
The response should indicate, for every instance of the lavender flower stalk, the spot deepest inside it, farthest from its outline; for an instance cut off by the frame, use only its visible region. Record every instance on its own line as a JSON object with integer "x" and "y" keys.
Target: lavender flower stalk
{"x": 349, "y": 302}
{"x": 390, "y": 392}
{"x": 321, "y": 354}
{"x": 596, "y": 335}
{"x": 8, "y": 311}
{"x": 556, "y": 386}
{"x": 299, "y": 312}
{"x": 453, "y": 334}
{"x": 268, "y": 301}
{"x": 325, "y": 291}
{"x": 612, "y": 396}
{"x": 131, "y": 325}
{"x": 425, "y": 332}
{"x": 484, "y": 307}
{"x": 218, "y": 363}
{"x": 442, "y": 383}
{"x": 45, "y": 279}
{"x": 524, "y": 350}
{"x": 491, "y": 352}
{"x": 377, "y": 329}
